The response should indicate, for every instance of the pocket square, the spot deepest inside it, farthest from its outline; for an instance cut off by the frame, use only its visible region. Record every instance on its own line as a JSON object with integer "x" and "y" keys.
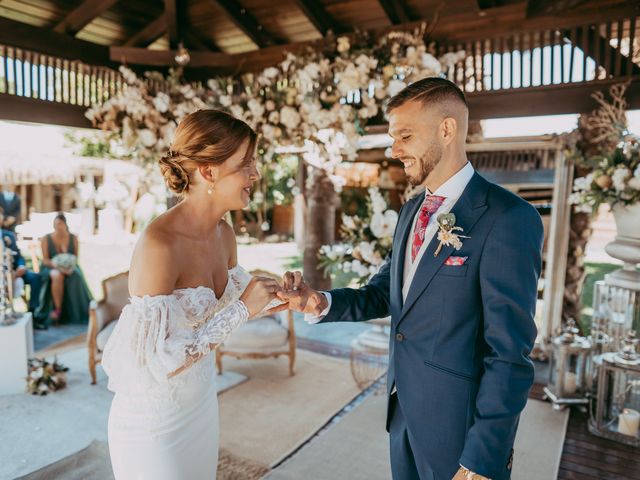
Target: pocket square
{"x": 455, "y": 261}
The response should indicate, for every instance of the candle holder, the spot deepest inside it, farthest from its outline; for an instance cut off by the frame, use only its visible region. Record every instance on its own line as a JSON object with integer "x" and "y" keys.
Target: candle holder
{"x": 615, "y": 411}
{"x": 568, "y": 362}
{"x": 616, "y": 310}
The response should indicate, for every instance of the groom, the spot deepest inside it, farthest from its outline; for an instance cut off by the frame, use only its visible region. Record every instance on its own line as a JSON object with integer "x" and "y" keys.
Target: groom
{"x": 461, "y": 291}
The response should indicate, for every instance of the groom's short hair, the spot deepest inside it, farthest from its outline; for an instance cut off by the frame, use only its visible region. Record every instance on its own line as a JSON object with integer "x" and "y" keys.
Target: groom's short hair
{"x": 428, "y": 91}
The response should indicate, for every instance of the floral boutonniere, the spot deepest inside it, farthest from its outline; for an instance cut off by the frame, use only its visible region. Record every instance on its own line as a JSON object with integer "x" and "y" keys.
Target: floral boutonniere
{"x": 447, "y": 232}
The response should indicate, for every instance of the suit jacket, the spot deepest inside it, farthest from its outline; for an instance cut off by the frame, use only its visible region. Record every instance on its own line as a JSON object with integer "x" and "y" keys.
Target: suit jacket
{"x": 460, "y": 342}
{"x": 11, "y": 209}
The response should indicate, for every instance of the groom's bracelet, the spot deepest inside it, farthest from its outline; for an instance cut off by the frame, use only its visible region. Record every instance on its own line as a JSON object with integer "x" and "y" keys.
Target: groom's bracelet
{"x": 469, "y": 475}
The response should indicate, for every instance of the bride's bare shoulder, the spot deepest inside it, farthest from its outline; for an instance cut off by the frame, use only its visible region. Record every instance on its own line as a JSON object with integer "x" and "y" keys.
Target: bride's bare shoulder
{"x": 154, "y": 265}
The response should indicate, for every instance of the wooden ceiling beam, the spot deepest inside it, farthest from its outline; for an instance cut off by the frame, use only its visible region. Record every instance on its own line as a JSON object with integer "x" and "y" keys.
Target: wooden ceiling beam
{"x": 551, "y": 7}
{"x": 246, "y": 22}
{"x": 545, "y": 100}
{"x": 196, "y": 41}
{"x": 48, "y": 42}
{"x": 176, "y": 15}
{"x": 24, "y": 109}
{"x": 316, "y": 13}
{"x": 149, "y": 34}
{"x": 82, "y": 15}
{"x": 163, "y": 58}
{"x": 460, "y": 26}
{"x": 395, "y": 11}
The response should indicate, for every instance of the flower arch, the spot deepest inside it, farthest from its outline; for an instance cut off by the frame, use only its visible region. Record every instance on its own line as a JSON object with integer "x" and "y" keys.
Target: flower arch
{"x": 318, "y": 101}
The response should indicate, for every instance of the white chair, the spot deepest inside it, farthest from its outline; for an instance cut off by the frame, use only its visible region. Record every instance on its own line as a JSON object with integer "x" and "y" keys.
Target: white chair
{"x": 103, "y": 317}
{"x": 270, "y": 336}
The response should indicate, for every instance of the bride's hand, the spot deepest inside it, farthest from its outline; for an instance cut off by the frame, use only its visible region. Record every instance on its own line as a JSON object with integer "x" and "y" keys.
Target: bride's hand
{"x": 259, "y": 292}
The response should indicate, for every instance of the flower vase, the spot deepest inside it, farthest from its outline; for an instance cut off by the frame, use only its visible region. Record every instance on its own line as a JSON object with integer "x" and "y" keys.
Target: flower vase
{"x": 626, "y": 247}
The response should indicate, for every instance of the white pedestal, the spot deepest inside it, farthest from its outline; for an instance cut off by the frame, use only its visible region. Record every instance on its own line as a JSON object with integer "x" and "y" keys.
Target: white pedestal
{"x": 16, "y": 347}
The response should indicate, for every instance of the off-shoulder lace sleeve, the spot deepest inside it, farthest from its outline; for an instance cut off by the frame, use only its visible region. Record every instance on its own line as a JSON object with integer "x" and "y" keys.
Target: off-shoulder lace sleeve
{"x": 153, "y": 340}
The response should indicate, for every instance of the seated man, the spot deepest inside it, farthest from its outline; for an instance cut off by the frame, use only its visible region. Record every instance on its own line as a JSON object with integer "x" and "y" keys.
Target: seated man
{"x": 20, "y": 272}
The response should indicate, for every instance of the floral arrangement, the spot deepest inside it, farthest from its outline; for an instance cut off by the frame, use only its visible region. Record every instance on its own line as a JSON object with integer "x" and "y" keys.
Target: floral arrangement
{"x": 65, "y": 261}
{"x": 45, "y": 377}
{"x": 317, "y": 100}
{"x": 113, "y": 194}
{"x": 614, "y": 172}
{"x": 366, "y": 242}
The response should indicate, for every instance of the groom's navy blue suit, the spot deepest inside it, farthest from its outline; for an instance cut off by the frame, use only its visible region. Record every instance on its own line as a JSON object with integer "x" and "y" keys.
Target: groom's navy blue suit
{"x": 460, "y": 342}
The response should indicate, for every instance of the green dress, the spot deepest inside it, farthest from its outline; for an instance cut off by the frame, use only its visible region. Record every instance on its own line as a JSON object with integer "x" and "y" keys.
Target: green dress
{"x": 76, "y": 297}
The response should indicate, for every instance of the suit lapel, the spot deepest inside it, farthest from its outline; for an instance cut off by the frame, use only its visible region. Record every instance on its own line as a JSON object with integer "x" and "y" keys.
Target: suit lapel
{"x": 400, "y": 247}
{"x": 468, "y": 210}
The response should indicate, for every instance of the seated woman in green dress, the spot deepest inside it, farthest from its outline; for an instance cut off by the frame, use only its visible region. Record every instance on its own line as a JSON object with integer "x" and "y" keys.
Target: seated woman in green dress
{"x": 64, "y": 296}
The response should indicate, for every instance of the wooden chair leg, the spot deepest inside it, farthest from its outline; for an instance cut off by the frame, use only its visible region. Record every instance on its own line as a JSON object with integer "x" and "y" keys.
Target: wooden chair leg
{"x": 292, "y": 362}
{"x": 92, "y": 369}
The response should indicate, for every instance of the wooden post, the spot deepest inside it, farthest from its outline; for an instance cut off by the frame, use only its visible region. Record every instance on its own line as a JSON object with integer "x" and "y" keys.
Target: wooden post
{"x": 556, "y": 263}
{"x": 322, "y": 200}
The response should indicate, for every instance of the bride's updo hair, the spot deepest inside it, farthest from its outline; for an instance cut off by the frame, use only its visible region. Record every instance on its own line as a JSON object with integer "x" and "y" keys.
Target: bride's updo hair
{"x": 206, "y": 137}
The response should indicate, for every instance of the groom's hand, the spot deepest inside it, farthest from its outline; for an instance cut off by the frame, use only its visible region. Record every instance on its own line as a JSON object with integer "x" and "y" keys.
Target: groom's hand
{"x": 300, "y": 296}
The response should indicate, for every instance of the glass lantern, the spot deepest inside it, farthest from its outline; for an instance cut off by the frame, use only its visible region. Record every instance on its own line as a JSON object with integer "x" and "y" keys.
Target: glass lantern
{"x": 616, "y": 310}
{"x": 617, "y": 404}
{"x": 570, "y": 354}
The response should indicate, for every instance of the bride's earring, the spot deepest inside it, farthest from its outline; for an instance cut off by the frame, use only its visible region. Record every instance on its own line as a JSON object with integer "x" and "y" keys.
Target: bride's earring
{"x": 210, "y": 190}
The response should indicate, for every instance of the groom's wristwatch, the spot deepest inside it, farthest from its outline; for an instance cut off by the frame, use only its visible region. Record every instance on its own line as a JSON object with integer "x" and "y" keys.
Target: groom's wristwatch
{"x": 469, "y": 475}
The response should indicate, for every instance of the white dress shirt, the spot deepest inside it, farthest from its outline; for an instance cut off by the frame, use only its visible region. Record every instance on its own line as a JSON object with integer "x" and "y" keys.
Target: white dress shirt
{"x": 451, "y": 190}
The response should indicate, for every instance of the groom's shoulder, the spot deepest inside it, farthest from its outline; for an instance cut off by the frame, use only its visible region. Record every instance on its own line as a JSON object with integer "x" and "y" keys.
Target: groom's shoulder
{"x": 500, "y": 201}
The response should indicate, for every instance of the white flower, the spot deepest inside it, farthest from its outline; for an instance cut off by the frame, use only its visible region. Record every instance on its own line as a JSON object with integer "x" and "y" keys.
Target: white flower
{"x": 161, "y": 102}
{"x": 585, "y": 207}
{"x": 636, "y": 172}
{"x": 378, "y": 204}
{"x": 395, "y": 87}
{"x": 128, "y": 74}
{"x": 225, "y": 100}
{"x": 188, "y": 91}
{"x": 369, "y": 254}
{"x": 289, "y": 117}
{"x": 270, "y": 105}
{"x": 575, "y": 198}
{"x": 274, "y": 117}
{"x": 348, "y": 222}
{"x": 256, "y": 108}
{"x": 271, "y": 73}
{"x": 147, "y": 137}
{"x": 634, "y": 183}
{"x": 583, "y": 183}
{"x": 343, "y": 44}
{"x": 383, "y": 225}
{"x": 619, "y": 178}
{"x": 431, "y": 63}
{"x": 359, "y": 268}
{"x": 236, "y": 111}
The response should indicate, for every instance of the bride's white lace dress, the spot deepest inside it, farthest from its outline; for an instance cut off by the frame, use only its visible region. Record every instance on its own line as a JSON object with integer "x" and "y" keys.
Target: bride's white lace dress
{"x": 163, "y": 426}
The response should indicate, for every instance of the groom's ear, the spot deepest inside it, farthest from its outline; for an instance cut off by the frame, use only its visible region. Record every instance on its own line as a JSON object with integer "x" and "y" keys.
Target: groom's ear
{"x": 449, "y": 130}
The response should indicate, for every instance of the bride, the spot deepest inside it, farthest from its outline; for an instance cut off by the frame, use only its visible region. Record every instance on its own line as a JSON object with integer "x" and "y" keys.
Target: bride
{"x": 187, "y": 295}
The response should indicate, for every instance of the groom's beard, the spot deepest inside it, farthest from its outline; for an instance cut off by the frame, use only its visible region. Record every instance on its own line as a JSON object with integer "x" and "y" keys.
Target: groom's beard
{"x": 427, "y": 162}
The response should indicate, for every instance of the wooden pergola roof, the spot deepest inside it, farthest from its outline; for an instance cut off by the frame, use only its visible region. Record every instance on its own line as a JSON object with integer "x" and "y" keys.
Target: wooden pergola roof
{"x": 234, "y": 36}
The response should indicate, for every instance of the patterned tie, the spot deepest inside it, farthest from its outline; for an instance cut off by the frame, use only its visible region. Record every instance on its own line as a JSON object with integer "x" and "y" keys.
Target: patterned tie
{"x": 430, "y": 206}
